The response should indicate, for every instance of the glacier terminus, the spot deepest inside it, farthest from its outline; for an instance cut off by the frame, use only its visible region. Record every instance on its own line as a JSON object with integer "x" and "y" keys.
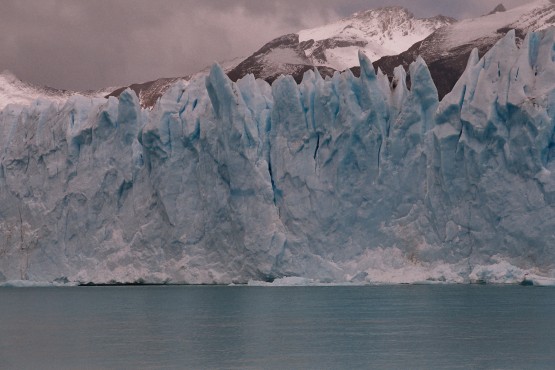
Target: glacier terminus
{"x": 334, "y": 180}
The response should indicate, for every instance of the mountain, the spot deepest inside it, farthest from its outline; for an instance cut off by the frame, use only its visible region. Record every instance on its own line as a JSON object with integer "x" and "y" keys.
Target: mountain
{"x": 332, "y": 47}
{"x": 390, "y": 36}
{"x": 341, "y": 180}
{"x": 378, "y": 32}
{"x": 15, "y": 91}
{"x": 447, "y": 50}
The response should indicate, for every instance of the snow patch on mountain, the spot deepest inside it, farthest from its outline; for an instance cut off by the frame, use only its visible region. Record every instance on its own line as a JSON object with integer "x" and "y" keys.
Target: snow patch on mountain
{"x": 283, "y": 56}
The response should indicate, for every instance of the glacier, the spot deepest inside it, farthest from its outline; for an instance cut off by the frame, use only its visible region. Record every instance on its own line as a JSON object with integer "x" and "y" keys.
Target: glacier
{"x": 336, "y": 180}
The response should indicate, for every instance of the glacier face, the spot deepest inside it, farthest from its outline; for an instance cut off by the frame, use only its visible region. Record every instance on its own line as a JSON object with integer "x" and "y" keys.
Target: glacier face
{"x": 334, "y": 180}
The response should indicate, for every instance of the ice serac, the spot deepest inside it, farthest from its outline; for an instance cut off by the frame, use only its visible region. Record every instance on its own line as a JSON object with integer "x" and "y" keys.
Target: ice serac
{"x": 334, "y": 180}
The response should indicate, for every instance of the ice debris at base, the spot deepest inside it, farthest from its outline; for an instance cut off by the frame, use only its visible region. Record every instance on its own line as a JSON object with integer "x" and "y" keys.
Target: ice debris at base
{"x": 340, "y": 180}
{"x": 34, "y": 284}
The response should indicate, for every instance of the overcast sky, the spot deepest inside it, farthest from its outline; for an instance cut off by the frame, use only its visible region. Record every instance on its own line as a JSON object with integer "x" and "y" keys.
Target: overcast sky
{"x": 90, "y": 44}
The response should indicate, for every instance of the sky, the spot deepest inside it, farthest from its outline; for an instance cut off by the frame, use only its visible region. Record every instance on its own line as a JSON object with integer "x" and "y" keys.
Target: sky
{"x": 93, "y": 44}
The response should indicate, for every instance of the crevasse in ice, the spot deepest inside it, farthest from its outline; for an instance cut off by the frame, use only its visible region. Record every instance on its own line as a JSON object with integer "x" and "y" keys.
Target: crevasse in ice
{"x": 334, "y": 180}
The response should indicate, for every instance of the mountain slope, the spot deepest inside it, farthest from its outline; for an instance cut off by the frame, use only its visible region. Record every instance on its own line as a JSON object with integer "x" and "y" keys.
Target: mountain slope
{"x": 447, "y": 50}
{"x": 283, "y": 55}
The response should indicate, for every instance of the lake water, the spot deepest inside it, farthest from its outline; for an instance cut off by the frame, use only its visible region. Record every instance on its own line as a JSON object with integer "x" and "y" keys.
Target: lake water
{"x": 207, "y": 327}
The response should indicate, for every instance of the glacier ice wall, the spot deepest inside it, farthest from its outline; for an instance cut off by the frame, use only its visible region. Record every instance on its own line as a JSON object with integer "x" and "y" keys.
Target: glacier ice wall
{"x": 341, "y": 179}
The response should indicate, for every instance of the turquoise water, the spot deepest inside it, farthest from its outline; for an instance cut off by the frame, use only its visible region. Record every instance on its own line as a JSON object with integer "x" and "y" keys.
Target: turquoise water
{"x": 194, "y": 327}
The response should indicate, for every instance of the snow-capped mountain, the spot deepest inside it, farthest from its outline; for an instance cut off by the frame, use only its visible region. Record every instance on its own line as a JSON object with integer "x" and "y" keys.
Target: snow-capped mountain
{"x": 390, "y": 36}
{"x": 15, "y": 91}
{"x": 446, "y": 50}
{"x": 378, "y": 32}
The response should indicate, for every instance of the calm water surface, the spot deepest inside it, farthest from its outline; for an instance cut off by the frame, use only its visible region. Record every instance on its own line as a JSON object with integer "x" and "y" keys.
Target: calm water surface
{"x": 188, "y": 327}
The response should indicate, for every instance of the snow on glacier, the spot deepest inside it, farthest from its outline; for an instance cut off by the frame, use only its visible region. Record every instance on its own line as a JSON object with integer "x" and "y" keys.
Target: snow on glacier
{"x": 337, "y": 180}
